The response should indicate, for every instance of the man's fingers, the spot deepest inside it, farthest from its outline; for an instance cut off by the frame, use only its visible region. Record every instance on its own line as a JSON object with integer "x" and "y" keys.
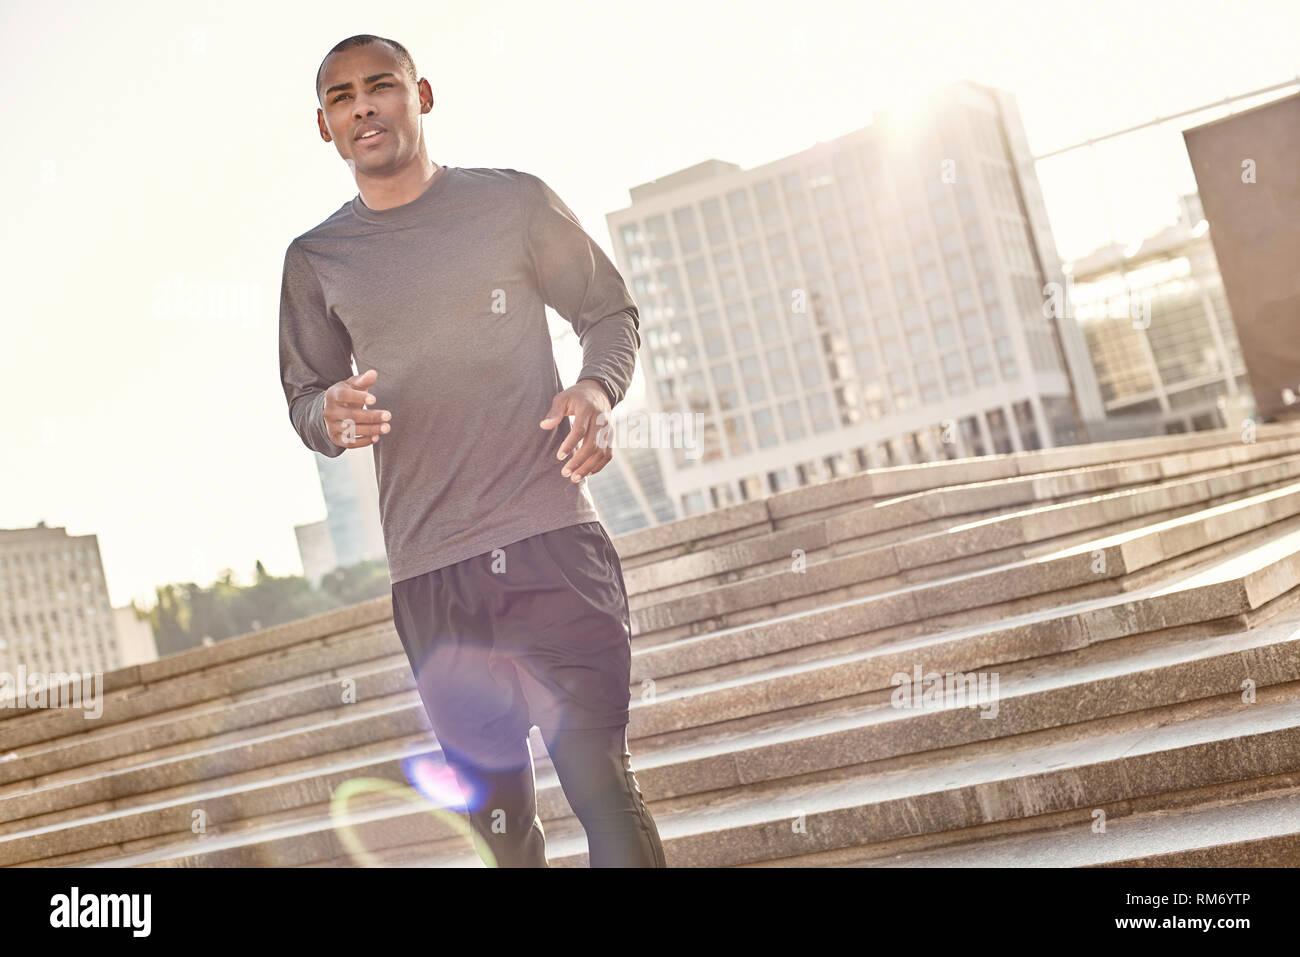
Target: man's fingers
{"x": 353, "y": 398}
{"x": 575, "y": 435}
{"x": 596, "y": 450}
{"x": 350, "y": 433}
{"x": 354, "y": 391}
{"x": 587, "y": 434}
{"x": 598, "y": 459}
{"x": 347, "y": 420}
{"x": 357, "y": 441}
{"x": 366, "y": 416}
{"x": 363, "y": 428}
{"x": 556, "y": 412}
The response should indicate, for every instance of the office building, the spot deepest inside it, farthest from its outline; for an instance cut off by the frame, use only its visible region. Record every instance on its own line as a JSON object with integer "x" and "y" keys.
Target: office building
{"x": 315, "y": 550}
{"x": 136, "y": 642}
{"x": 629, "y": 491}
{"x": 352, "y": 522}
{"x": 874, "y": 300}
{"x": 54, "y": 610}
{"x": 1159, "y": 329}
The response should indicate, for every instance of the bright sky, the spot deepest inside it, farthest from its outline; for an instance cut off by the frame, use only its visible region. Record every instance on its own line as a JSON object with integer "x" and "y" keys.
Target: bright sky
{"x": 160, "y": 146}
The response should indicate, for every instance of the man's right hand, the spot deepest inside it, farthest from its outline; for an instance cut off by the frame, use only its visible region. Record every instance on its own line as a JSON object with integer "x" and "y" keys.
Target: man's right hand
{"x": 347, "y": 420}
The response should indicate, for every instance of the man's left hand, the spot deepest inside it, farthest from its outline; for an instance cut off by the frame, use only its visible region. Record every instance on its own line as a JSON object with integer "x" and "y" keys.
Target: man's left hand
{"x": 588, "y": 403}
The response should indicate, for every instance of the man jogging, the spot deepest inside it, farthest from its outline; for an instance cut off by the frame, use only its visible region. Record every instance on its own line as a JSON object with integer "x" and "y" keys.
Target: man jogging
{"x": 508, "y": 595}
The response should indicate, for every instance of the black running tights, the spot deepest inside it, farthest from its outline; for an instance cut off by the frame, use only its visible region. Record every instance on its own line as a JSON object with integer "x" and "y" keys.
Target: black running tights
{"x": 594, "y": 767}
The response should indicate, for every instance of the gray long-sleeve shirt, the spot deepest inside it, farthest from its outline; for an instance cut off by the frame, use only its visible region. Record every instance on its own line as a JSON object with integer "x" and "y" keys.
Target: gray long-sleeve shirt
{"x": 445, "y": 298}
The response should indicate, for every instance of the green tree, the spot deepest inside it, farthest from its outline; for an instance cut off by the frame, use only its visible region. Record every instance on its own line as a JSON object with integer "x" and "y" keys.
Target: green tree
{"x": 186, "y": 614}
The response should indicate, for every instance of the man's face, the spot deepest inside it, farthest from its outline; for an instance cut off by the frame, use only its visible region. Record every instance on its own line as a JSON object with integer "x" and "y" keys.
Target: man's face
{"x": 365, "y": 89}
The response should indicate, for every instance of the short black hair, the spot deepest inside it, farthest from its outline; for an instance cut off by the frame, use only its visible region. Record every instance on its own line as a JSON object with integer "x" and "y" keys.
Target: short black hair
{"x": 364, "y": 39}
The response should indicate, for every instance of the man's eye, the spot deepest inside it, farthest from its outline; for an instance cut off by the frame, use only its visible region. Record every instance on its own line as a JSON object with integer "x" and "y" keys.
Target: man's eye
{"x": 341, "y": 95}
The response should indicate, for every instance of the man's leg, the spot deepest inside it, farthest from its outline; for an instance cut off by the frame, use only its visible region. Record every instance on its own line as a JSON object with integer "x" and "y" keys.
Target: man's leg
{"x": 595, "y": 771}
{"x": 502, "y": 805}
{"x": 564, "y": 620}
{"x": 475, "y": 707}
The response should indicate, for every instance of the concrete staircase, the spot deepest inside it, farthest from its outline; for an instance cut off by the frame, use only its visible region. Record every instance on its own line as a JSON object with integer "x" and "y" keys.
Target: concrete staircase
{"x": 1122, "y": 619}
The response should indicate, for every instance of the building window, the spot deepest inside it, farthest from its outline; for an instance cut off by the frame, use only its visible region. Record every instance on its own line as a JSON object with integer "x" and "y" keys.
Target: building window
{"x": 927, "y": 381}
{"x": 810, "y": 372}
{"x": 698, "y": 274}
{"x": 737, "y": 440}
{"x": 752, "y": 373}
{"x": 979, "y": 357}
{"x": 687, "y": 232}
{"x": 954, "y": 373}
{"x": 742, "y": 334}
{"x": 971, "y": 432}
{"x": 998, "y": 431}
{"x": 765, "y": 428}
{"x": 1006, "y": 357}
{"x": 714, "y": 225}
{"x": 819, "y": 408}
{"x": 697, "y": 395}
{"x": 792, "y": 421}
{"x": 1025, "y": 425}
{"x": 944, "y": 441}
{"x": 779, "y": 480}
{"x": 918, "y": 343}
{"x": 900, "y": 386}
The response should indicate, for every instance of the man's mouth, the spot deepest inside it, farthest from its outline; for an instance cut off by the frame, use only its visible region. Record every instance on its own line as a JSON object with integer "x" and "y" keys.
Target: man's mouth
{"x": 371, "y": 136}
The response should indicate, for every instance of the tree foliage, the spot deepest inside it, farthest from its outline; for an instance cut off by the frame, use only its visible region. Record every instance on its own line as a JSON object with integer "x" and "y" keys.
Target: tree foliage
{"x": 187, "y": 615}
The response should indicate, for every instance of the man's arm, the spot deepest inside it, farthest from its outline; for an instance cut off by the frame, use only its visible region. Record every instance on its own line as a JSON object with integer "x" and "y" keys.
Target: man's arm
{"x": 315, "y": 351}
{"x": 579, "y": 282}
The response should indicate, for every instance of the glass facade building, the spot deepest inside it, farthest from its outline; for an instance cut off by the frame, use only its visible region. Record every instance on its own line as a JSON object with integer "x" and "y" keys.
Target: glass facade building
{"x": 875, "y": 300}
{"x": 1159, "y": 329}
{"x": 629, "y": 492}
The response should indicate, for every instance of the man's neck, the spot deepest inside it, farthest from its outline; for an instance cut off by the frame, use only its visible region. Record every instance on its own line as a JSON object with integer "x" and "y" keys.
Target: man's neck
{"x": 399, "y": 190}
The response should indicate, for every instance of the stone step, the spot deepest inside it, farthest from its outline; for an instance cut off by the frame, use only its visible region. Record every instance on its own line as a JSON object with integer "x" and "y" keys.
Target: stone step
{"x": 848, "y": 652}
{"x": 971, "y": 546}
{"x": 1183, "y": 671}
{"x": 1122, "y": 596}
{"x": 1231, "y": 587}
{"x": 316, "y": 735}
{"x": 1084, "y": 685}
{"x": 128, "y": 743}
{"x": 257, "y": 659}
{"x": 1060, "y": 696}
{"x": 1261, "y": 830}
{"x": 953, "y": 502}
{"x": 1236, "y": 750}
{"x": 126, "y": 704}
{"x": 801, "y": 505}
{"x": 1103, "y": 566}
{"x": 166, "y": 751}
{"x": 272, "y": 653}
{"x": 886, "y": 521}
{"x": 113, "y": 830}
{"x": 209, "y": 688}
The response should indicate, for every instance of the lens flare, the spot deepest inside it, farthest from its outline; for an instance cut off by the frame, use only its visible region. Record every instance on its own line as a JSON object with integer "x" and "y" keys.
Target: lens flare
{"x": 435, "y": 781}
{"x": 343, "y": 826}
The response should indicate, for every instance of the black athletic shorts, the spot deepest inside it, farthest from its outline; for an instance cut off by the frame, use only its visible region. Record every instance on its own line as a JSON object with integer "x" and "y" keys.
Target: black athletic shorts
{"x": 536, "y": 632}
